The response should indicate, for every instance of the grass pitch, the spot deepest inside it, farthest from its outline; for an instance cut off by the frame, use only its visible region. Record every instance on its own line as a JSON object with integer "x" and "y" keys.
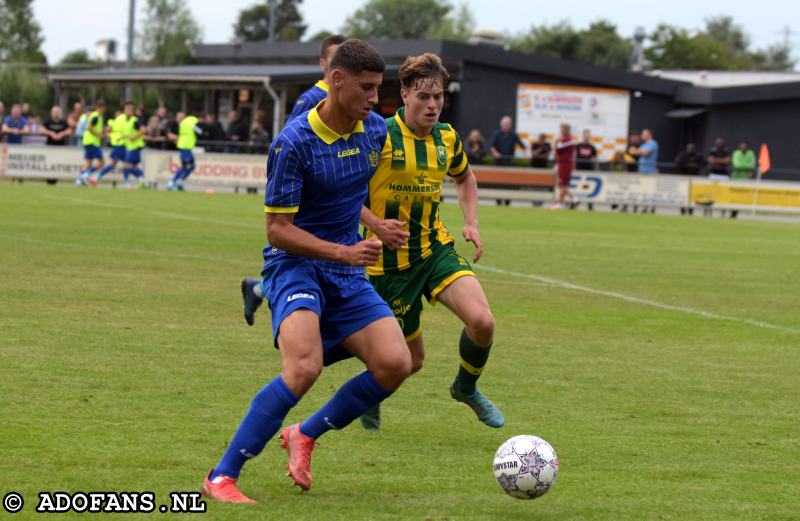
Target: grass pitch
{"x": 658, "y": 355}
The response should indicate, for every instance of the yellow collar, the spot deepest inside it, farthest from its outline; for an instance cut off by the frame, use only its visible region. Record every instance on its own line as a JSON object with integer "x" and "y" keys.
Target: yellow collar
{"x": 322, "y": 85}
{"x": 323, "y": 132}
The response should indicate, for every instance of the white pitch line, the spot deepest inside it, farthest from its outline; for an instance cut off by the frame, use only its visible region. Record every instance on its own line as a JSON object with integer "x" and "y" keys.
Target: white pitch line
{"x": 544, "y": 280}
{"x": 638, "y": 300}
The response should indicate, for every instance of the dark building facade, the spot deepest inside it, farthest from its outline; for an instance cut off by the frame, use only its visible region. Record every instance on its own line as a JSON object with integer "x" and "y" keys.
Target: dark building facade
{"x": 485, "y": 80}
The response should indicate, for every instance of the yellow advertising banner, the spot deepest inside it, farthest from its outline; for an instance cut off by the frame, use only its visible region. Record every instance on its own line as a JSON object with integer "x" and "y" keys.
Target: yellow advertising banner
{"x": 746, "y": 194}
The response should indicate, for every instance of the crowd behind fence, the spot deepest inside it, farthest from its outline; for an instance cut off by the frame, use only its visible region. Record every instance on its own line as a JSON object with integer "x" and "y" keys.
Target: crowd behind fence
{"x": 20, "y": 126}
{"x": 505, "y": 148}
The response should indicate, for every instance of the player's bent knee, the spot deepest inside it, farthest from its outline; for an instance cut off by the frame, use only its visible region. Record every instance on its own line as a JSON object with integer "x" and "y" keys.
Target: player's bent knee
{"x": 302, "y": 374}
{"x": 482, "y": 327}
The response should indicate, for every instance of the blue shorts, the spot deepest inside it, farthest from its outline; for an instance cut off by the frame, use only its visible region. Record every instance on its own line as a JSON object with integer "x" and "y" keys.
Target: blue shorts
{"x": 133, "y": 157}
{"x": 187, "y": 157}
{"x": 345, "y": 304}
{"x": 117, "y": 153}
{"x": 91, "y": 152}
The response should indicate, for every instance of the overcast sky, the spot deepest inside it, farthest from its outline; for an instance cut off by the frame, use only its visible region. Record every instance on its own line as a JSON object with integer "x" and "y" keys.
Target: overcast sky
{"x": 77, "y": 24}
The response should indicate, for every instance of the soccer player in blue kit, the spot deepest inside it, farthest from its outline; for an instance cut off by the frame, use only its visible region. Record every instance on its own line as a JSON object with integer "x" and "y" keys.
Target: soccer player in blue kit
{"x": 323, "y": 308}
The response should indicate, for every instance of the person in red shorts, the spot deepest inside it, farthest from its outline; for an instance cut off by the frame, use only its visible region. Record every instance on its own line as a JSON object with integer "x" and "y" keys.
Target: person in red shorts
{"x": 565, "y": 164}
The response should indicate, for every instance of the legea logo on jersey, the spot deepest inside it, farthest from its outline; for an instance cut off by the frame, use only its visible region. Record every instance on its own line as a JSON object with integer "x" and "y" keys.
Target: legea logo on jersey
{"x": 349, "y": 152}
{"x": 299, "y": 296}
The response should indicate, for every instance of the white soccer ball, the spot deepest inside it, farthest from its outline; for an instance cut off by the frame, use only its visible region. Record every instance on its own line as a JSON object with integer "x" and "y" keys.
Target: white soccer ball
{"x": 525, "y": 467}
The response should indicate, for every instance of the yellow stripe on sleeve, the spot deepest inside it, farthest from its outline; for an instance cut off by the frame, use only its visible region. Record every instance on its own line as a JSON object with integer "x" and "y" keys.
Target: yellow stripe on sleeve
{"x": 281, "y": 209}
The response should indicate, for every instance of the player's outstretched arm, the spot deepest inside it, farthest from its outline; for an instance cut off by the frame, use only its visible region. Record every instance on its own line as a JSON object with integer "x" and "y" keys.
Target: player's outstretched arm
{"x": 283, "y": 234}
{"x": 467, "y": 192}
{"x": 390, "y": 231}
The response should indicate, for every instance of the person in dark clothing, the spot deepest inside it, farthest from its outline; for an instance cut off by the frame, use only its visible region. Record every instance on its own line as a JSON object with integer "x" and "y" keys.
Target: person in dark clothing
{"x": 586, "y": 153}
{"x": 56, "y": 128}
{"x": 690, "y": 161}
{"x": 540, "y": 152}
{"x": 719, "y": 160}
{"x": 238, "y": 130}
{"x": 504, "y": 142}
{"x": 212, "y": 131}
{"x": 475, "y": 147}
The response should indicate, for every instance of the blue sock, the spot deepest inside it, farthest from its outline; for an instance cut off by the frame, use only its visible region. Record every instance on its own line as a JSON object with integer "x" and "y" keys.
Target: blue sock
{"x": 137, "y": 172}
{"x": 178, "y": 175}
{"x": 267, "y": 412}
{"x": 351, "y": 401}
{"x": 126, "y": 172}
{"x": 187, "y": 172}
{"x": 106, "y": 169}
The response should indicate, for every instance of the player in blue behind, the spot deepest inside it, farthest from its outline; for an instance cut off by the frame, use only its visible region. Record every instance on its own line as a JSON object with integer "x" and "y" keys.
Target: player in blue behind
{"x": 323, "y": 308}
{"x": 316, "y": 93}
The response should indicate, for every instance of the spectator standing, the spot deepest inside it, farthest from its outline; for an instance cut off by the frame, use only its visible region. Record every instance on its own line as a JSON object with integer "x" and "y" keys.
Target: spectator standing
{"x": 690, "y": 161}
{"x": 154, "y": 137}
{"x": 35, "y": 136}
{"x": 648, "y": 153}
{"x": 259, "y": 138}
{"x": 719, "y": 160}
{"x": 744, "y": 162}
{"x": 586, "y": 153}
{"x": 72, "y": 120}
{"x": 212, "y": 131}
{"x": 648, "y": 161}
{"x": 238, "y": 131}
{"x": 56, "y": 129}
{"x": 476, "y": 147}
{"x": 565, "y": 165}
{"x": 15, "y": 126}
{"x": 540, "y": 152}
{"x": 25, "y": 110}
{"x": 632, "y": 153}
{"x": 2, "y": 118}
{"x": 504, "y": 141}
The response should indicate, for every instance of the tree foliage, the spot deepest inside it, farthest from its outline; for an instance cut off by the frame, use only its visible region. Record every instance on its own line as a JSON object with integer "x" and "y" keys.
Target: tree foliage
{"x": 397, "y": 19}
{"x": 253, "y": 22}
{"x": 457, "y": 26}
{"x": 599, "y": 44}
{"x": 20, "y": 34}
{"x": 721, "y": 45}
{"x": 167, "y": 31}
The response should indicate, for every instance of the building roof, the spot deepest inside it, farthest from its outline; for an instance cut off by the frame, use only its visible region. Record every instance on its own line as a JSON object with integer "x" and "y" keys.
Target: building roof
{"x": 190, "y": 74}
{"x": 722, "y": 79}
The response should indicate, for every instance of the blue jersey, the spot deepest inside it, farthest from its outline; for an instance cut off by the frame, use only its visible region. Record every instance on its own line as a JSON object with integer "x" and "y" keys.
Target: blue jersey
{"x": 309, "y": 99}
{"x": 323, "y": 178}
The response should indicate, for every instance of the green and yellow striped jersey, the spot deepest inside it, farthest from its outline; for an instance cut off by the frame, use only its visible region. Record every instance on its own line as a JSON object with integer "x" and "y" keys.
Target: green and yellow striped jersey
{"x": 408, "y": 186}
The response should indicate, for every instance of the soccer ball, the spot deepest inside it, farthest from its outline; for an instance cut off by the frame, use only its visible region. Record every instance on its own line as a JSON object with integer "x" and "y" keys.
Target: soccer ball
{"x": 525, "y": 467}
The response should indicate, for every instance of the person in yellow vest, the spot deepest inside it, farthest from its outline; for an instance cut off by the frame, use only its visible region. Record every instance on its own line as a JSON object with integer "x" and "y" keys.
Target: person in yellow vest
{"x": 116, "y": 127}
{"x": 186, "y": 139}
{"x": 92, "y": 144}
{"x": 133, "y": 133}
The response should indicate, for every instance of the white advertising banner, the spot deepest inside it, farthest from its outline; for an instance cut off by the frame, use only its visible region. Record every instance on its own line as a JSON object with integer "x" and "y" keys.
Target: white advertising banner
{"x": 40, "y": 162}
{"x": 632, "y": 189}
{"x": 243, "y": 170}
{"x": 64, "y": 163}
{"x": 542, "y": 108}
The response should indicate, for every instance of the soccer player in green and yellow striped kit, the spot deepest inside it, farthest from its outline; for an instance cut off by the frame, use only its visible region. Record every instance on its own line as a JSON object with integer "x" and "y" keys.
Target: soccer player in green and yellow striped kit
{"x": 418, "y": 257}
